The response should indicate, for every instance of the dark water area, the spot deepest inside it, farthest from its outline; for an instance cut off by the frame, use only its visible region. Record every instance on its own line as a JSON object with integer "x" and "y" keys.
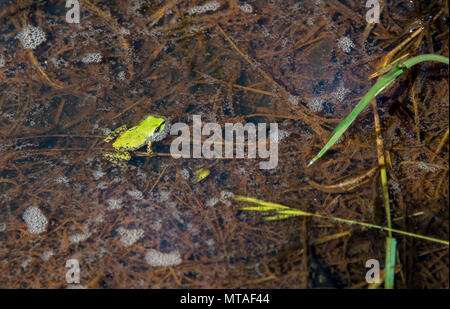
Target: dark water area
{"x": 148, "y": 223}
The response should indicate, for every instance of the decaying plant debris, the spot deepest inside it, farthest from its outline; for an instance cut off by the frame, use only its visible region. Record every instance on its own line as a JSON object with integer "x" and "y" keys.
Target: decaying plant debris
{"x": 301, "y": 64}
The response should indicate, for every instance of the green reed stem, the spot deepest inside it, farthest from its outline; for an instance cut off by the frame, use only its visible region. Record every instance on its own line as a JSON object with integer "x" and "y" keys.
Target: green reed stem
{"x": 389, "y": 268}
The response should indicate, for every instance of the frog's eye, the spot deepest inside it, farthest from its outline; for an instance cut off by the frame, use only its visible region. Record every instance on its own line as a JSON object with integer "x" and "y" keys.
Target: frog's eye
{"x": 160, "y": 127}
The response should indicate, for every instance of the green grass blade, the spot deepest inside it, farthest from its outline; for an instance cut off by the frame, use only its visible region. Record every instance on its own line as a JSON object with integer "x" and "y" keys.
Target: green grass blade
{"x": 391, "y": 244}
{"x": 259, "y": 202}
{"x": 427, "y": 57}
{"x": 259, "y": 208}
{"x": 379, "y": 86}
{"x": 284, "y": 212}
{"x": 278, "y": 217}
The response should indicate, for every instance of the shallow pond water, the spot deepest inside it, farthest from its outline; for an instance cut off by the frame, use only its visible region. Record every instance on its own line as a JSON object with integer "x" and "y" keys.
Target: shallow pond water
{"x": 302, "y": 65}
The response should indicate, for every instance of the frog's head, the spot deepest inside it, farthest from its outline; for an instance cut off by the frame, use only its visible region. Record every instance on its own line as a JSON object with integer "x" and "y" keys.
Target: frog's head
{"x": 152, "y": 126}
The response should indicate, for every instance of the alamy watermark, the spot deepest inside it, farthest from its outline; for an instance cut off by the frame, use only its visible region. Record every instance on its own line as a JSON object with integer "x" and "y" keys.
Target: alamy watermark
{"x": 73, "y": 14}
{"x": 373, "y": 14}
{"x": 73, "y": 274}
{"x": 373, "y": 274}
{"x": 259, "y": 141}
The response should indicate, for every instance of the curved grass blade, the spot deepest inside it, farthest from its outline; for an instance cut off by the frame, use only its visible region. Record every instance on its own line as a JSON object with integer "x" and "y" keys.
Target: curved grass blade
{"x": 379, "y": 86}
{"x": 427, "y": 57}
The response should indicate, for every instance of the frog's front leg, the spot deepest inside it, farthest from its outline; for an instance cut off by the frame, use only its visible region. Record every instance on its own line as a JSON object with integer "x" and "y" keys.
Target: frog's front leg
{"x": 116, "y": 133}
{"x": 149, "y": 149}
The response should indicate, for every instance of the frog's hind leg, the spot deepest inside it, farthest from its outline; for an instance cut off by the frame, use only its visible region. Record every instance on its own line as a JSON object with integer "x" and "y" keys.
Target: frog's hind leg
{"x": 119, "y": 158}
{"x": 116, "y": 133}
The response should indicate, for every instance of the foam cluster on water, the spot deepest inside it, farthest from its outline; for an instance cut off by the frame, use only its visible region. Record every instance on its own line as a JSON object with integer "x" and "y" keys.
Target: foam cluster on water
{"x": 207, "y": 7}
{"x": 31, "y": 37}
{"x": 246, "y": 8}
{"x": 281, "y": 135}
{"x": 121, "y": 76}
{"x": 59, "y": 62}
{"x": 114, "y": 204}
{"x": 92, "y": 58}
{"x": 426, "y": 167}
{"x": 46, "y": 255}
{"x": 184, "y": 173}
{"x": 346, "y": 44}
{"x": 156, "y": 258}
{"x": 129, "y": 237}
{"x": 35, "y": 220}
{"x": 293, "y": 99}
{"x": 74, "y": 239}
{"x": 394, "y": 186}
{"x": 136, "y": 194}
{"x": 225, "y": 197}
{"x": 340, "y": 93}
{"x": 315, "y": 104}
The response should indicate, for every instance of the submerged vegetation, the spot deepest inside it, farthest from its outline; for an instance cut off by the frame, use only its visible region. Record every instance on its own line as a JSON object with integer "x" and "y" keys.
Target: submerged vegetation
{"x": 379, "y": 86}
{"x": 380, "y": 192}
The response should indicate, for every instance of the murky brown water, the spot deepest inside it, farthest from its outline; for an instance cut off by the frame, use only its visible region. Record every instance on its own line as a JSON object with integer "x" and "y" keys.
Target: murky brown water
{"x": 301, "y": 64}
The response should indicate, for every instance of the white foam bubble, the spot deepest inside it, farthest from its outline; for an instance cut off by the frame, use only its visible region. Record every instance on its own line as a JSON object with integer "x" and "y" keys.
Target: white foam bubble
{"x": 92, "y": 58}
{"x": 35, "y": 220}
{"x": 346, "y": 44}
{"x": 156, "y": 258}
{"x": 31, "y": 37}
{"x": 207, "y": 7}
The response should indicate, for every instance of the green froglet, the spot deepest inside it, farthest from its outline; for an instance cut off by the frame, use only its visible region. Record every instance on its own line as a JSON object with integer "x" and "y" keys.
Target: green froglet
{"x": 152, "y": 129}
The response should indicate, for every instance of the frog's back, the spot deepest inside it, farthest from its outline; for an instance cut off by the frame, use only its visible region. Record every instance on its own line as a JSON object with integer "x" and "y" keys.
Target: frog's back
{"x": 132, "y": 139}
